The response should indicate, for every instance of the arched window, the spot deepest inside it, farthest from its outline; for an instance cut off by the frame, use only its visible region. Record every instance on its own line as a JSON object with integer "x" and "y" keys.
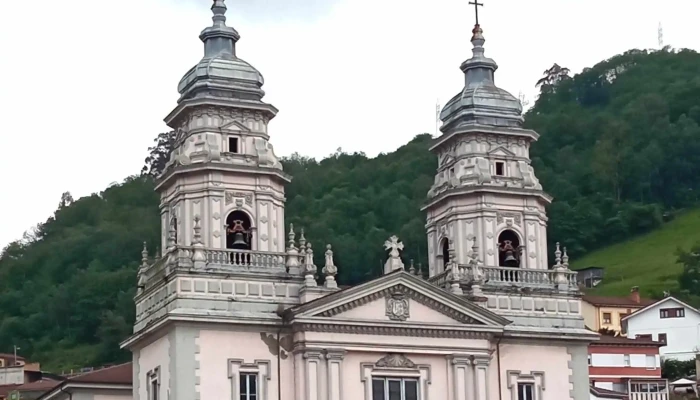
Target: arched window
{"x": 239, "y": 236}
{"x": 445, "y": 247}
{"x": 509, "y": 249}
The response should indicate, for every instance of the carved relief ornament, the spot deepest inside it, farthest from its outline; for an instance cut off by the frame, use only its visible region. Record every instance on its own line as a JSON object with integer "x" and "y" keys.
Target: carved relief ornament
{"x": 397, "y": 307}
{"x": 501, "y": 216}
{"x": 239, "y": 197}
{"x": 393, "y": 360}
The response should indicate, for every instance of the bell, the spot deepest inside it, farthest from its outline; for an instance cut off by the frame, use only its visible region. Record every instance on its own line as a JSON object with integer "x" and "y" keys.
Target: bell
{"x": 239, "y": 241}
{"x": 510, "y": 260}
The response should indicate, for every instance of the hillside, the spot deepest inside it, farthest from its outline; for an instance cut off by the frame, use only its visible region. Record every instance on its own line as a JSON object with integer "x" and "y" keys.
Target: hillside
{"x": 648, "y": 261}
{"x": 619, "y": 146}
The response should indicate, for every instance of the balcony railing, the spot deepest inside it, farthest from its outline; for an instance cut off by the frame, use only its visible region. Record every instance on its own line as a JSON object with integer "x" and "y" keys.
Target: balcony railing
{"x": 245, "y": 258}
{"x": 505, "y": 276}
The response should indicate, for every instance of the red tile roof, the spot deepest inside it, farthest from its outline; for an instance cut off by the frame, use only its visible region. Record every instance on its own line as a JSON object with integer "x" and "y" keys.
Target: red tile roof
{"x": 118, "y": 374}
{"x": 616, "y": 301}
{"x": 41, "y": 384}
{"x": 606, "y": 340}
{"x": 6, "y": 389}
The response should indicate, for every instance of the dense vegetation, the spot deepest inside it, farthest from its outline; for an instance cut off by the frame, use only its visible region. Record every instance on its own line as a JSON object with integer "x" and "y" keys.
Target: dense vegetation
{"x": 619, "y": 148}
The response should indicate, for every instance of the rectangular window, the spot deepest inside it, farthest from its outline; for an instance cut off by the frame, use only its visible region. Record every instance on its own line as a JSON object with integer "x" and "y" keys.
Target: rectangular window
{"x": 249, "y": 386}
{"x": 233, "y": 145}
{"x": 672, "y": 312}
{"x": 526, "y": 391}
{"x": 500, "y": 168}
{"x": 651, "y": 361}
{"x": 662, "y": 338}
{"x": 589, "y": 360}
{"x": 153, "y": 384}
{"x": 154, "y": 389}
{"x": 394, "y": 389}
{"x": 626, "y": 360}
{"x": 607, "y": 318}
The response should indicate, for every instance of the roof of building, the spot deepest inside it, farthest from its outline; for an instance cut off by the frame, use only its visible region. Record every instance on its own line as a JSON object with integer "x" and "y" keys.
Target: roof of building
{"x": 616, "y": 301}
{"x": 9, "y": 355}
{"x": 115, "y": 375}
{"x": 42, "y": 384}
{"x": 607, "y": 394}
{"x": 6, "y": 389}
{"x": 658, "y": 302}
{"x": 119, "y": 374}
{"x": 607, "y": 340}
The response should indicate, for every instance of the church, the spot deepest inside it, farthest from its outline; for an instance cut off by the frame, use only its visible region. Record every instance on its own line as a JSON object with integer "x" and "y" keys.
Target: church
{"x": 234, "y": 308}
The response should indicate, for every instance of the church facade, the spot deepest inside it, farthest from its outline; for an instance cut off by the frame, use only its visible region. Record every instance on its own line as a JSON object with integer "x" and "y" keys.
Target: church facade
{"x": 234, "y": 307}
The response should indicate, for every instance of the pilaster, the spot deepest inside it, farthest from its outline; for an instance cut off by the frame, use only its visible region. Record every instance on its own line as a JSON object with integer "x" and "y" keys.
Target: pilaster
{"x": 334, "y": 367}
{"x": 313, "y": 368}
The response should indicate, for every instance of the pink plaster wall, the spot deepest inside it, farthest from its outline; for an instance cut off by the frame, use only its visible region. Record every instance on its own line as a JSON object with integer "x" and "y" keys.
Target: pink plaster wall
{"x": 217, "y": 347}
{"x": 376, "y": 310}
{"x": 552, "y": 360}
{"x": 153, "y": 355}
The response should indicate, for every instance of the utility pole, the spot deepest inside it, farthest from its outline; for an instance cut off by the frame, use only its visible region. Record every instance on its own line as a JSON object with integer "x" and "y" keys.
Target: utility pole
{"x": 16, "y": 348}
{"x": 661, "y": 36}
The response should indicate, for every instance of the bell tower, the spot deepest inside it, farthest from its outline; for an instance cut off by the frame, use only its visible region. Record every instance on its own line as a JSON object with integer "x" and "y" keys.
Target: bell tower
{"x": 485, "y": 197}
{"x": 223, "y": 171}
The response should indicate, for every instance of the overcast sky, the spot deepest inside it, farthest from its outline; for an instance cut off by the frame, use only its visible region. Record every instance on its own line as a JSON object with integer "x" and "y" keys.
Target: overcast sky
{"x": 86, "y": 83}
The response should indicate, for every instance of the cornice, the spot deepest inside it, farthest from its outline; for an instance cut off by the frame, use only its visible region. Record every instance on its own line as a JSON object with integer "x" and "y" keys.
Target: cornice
{"x": 388, "y": 329}
{"x": 411, "y": 294}
{"x": 484, "y": 130}
{"x": 220, "y": 167}
{"x": 465, "y": 190}
{"x": 210, "y": 101}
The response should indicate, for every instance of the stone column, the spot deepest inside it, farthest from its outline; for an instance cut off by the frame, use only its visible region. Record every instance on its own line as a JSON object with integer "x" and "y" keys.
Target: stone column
{"x": 481, "y": 377}
{"x": 334, "y": 369}
{"x": 313, "y": 385}
{"x": 463, "y": 377}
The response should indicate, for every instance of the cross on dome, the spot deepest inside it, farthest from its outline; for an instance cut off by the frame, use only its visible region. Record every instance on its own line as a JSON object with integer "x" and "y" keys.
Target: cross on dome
{"x": 476, "y": 9}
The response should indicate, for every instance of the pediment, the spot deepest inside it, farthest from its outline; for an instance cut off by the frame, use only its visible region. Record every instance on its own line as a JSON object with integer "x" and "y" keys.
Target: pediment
{"x": 234, "y": 126}
{"x": 399, "y": 298}
{"x": 501, "y": 151}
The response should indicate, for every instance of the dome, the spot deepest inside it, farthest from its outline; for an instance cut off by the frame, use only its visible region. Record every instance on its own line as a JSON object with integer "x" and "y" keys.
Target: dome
{"x": 481, "y": 101}
{"x": 220, "y": 73}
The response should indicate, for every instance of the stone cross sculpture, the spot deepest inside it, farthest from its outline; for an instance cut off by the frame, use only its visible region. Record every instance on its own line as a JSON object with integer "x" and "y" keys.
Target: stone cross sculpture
{"x": 394, "y": 262}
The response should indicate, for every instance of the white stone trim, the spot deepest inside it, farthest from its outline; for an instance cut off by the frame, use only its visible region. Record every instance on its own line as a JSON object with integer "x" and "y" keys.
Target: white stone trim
{"x": 313, "y": 367}
{"x": 534, "y": 377}
{"x": 334, "y": 368}
{"x": 153, "y": 376}
{"x": 422, "y": 373}
{"x": 260, "y": 367}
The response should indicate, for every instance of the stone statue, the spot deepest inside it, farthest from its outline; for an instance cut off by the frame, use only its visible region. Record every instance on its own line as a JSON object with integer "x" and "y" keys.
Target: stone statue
{"x": 394, "y": 262}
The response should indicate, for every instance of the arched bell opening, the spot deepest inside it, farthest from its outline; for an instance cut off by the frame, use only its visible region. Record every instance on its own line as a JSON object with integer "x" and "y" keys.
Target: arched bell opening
{"x": 239, "y": 236}
{"x": 509, "y": 250}
{"x": 445, "y": 248}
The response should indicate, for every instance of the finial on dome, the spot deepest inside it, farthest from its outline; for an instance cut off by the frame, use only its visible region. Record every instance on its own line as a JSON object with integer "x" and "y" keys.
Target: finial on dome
{"x": 219, "y": 38}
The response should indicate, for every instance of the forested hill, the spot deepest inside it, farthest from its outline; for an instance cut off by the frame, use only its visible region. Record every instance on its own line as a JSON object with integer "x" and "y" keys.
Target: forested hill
{"x": 619, "y": 148}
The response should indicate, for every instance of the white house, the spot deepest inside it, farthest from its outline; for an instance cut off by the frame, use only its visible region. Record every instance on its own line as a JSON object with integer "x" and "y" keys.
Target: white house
{"x": 671, "y": 321}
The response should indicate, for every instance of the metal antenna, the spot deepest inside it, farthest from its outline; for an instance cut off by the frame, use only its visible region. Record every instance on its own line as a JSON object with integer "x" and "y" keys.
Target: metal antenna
{"x": 437, "y": 117}
{"x": 661, "y": 36}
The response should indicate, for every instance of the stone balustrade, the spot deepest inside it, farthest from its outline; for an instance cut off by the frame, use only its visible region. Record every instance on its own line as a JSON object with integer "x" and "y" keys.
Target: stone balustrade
{"x": 505, "y": 276}
{"x": 245, "y": 258}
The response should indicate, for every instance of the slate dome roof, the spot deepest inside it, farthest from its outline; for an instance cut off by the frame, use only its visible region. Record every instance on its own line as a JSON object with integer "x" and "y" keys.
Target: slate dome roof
{"x": 220, "y": 73}
{"x": 481, "y": 101}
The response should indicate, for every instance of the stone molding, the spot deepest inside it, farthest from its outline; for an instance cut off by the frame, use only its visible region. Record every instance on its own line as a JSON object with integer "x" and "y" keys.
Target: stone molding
{"x": 236, "y": 366}
{"x": 536, "y": 378}
{"x": 363, "y": 329}
{"x": 409, "y": 294}
{"x": 423, "y": 373}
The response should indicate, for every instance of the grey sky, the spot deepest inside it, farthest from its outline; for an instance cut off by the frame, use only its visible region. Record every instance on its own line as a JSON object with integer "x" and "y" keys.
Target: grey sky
{"x": 87, "y": 83}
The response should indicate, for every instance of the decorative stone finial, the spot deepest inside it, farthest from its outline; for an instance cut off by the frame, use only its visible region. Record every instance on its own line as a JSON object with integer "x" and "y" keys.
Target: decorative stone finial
{"x": 475, "y": 267}
{"x": 565, "y": 259}
{"x": 309, "y": 267}
{"x": 141, "y": 273}
{"x": 557, "y": 256}
{"x": 419, "y": 273}
{"x": 394, "y": 262}
{"x": 292, "y": 251}
{"x": 412, "y": 269}
{"x": 330, "y": 270}
{"x": 172, "y": 234}
{"x": 302, "y": 243}
{"x": 144, "y": 255}
{"x": 199, "y": 258}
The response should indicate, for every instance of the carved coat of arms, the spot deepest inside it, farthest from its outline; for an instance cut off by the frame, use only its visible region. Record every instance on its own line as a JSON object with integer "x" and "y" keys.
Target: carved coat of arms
{"x": 397, "y": 307}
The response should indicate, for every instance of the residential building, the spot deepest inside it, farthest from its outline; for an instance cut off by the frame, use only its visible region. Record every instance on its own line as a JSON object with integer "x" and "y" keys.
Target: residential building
{"x": 19, "y": 377}
{"x": 235, "y": 308}
{"x": 627, "y": 366}
{"x": 590, "y": 277}
{"x": 110, "y": 383}
{"x": 601, "y": 312}
{"x": 670, "y": 321}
